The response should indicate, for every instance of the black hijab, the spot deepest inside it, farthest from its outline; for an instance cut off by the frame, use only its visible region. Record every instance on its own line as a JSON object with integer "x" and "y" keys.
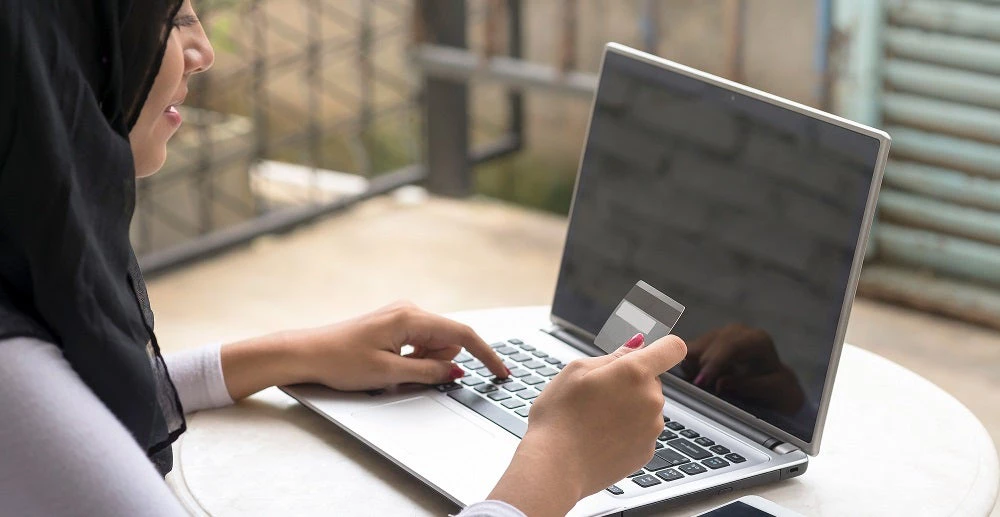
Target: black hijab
{"x": 73, "y": 78}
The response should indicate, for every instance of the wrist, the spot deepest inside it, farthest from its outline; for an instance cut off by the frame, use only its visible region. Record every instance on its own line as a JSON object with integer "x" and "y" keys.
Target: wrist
{"x": 541, "y": 479}
{"x": 254, "y": 364}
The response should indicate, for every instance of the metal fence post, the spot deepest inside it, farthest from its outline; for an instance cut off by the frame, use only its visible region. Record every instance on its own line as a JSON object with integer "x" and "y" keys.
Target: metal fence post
{"x": 446, "y": 105}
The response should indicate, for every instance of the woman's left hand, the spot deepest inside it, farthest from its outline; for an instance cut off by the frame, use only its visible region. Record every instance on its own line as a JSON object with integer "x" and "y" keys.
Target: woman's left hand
{"x": 358, "y": 354}
{"x": 365, "y": 352}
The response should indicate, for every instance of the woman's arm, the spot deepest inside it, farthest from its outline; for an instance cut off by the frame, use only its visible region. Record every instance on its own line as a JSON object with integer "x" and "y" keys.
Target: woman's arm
{"x": 358, "y": 354}
{"x": 63, "y": 452}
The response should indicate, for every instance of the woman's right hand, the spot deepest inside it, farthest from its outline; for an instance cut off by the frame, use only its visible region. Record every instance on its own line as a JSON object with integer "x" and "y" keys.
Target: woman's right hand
{"x": 594, "y": 424}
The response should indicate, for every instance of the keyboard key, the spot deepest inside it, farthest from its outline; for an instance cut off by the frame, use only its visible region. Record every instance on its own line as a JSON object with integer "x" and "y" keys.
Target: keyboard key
{"x": 676, "y": 426}
{"x": 499, "y": 395}
{"x": 646, "y": 480}
{"x": 636, "y": 473}
{"x": 534, "y": 364}
{"x": 735, "y": 458}
{"x": 528, "y": 394}
{"x": 715, "y": 463}
{"x": 462, "y": 358}
{"x": 704, "y": 442}
{"x": 718, "y": 449}
{"x": 514, "y": 386}
{"x": 552, "y": 360}
{"x": 692, "y": 468}
{"x": 488, "y": 410}
{"x": 487, "y": 388}
{"x": 548, "y": 372}
{"x": 471, "y": 381}
{"x": 690, "y": 433}
{"x": 657, "y": 463}
{"x": 523, "y": 411}
{"x": 669, "y": 475}
{"x": 672, "y": 457}
{"x": 515, "y": 341}
{"x": 666, "y": 435}
{"x": 527, "y": 348}
{"x": 498, "y": 344}
{"x": 474, "y": 364}
{"x": 501, "y": 381}
{"x": 666, "y": 418}
{"x": 658, "y": 446}
{"x": 615, "y": 490}
{"x": 519, "y": 372}
{"x": 484, "y": 371}
{"x": 506, "y": 350}
{"x": 690, "y": 449}
{"x": 532, "y": 380}
{"x": 512, "y": 404}
{"x": 539, "y": 353}
{"x": 445, "y": 388}
{"x": 521, "y": 357}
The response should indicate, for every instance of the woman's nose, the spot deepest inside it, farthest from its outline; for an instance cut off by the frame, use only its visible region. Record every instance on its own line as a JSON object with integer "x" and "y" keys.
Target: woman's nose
{"x": 200, "y": 55}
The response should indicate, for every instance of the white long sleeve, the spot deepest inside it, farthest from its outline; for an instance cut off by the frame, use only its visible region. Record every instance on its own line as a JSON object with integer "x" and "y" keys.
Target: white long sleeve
{"x": 197, "y": 375}
{"x": 63, "y": 451}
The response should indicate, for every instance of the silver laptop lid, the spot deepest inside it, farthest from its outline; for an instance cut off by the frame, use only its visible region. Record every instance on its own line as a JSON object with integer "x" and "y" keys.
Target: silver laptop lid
{"x": 749, "y": 209}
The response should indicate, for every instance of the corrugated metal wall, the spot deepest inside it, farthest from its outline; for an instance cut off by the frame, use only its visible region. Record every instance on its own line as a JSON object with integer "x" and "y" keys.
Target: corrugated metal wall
{"x": 928, "y": 72}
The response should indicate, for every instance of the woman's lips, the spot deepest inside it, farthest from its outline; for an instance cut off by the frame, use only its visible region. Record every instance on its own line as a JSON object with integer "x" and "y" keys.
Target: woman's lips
{"x": 173, "y": 116}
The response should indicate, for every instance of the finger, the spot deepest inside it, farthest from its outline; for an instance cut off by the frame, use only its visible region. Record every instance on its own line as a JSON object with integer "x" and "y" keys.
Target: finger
{"x": 631, "y": 345}
{"x": 435, "y": 332}
{"x": 634, "y": 343}
{"x": 657, "y": 357}
{"x": 445, "y": 354}
{"x": 425, "y": 371}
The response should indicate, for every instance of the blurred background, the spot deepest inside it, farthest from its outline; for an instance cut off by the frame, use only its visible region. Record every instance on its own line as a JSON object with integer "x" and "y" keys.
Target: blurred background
{"x": 342, "y": 154}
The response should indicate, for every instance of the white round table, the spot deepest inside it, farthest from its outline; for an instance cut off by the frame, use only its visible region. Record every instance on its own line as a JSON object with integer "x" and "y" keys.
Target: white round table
{"x": 894, "y": 444}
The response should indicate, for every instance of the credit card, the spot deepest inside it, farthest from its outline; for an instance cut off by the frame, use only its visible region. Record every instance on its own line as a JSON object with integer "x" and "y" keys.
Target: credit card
{"x": 643, "y": 310}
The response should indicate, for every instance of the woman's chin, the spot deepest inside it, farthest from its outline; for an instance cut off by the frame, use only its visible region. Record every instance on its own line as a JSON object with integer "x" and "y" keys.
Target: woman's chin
{"x": 149, "y": 164}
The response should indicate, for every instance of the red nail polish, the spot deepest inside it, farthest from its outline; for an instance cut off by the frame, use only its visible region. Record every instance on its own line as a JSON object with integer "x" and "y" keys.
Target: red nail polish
{"x": 508, "y": 372}
{"x": 456, "y": 373}
{"x": 699, "y": 379}
{"x": 636, "y": 341}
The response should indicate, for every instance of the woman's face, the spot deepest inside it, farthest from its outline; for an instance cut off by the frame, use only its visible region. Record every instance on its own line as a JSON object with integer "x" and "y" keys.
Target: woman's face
{"x": 188, "y": 52}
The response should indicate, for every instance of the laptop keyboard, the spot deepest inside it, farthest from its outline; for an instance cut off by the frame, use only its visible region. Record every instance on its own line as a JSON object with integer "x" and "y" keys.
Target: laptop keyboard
{"x": 680, "y": 450}
{"x": 505, "y": 402}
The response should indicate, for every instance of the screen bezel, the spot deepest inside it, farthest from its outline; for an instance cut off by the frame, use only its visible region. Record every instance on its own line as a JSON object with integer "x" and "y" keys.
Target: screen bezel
{"x": 811, "y": 447}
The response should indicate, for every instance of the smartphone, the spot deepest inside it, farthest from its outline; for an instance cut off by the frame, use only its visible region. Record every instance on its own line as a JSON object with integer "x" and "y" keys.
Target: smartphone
{"x": 750, "y": 506}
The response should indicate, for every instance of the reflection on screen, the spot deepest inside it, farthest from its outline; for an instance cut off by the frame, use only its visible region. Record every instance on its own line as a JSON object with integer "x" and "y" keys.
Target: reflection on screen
{"x": 745, "y": 212}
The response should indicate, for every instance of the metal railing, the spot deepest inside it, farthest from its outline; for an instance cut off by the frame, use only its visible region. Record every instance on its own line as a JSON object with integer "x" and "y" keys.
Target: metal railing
{"x": 315, "y": 105}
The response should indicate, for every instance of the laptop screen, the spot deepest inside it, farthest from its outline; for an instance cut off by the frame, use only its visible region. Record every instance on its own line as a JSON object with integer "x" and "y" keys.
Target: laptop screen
{"x": 745, "y": 212}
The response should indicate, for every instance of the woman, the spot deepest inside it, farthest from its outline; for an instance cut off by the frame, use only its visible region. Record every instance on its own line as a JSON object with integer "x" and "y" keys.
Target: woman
{"x": 88, "y": 99}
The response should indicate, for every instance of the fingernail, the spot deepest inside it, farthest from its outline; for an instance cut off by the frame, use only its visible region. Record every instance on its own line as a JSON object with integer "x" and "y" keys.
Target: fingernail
{"x": 456, "y": 373}
{"x": 635, "y": 342}
{"x": 699, "y": 379}
{"x": 508, "y": 372}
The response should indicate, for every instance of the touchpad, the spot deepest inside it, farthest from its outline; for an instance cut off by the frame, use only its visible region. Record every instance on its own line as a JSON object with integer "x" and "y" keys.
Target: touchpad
{"x": 427, "y": 437}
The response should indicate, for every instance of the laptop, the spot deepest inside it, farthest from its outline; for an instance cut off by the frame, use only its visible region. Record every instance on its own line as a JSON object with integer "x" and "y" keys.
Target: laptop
{"x": 750, "y": 210}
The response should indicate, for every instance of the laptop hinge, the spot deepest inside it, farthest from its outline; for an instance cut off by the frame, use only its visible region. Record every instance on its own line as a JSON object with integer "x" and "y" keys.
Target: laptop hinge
{"x": 573, "y": 339}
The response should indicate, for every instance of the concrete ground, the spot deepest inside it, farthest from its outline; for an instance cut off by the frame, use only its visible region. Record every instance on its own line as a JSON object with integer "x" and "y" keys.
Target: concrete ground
{"x": 453, "y": 255}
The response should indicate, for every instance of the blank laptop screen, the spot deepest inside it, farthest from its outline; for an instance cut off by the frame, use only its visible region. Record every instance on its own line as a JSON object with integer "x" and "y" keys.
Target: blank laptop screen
{"x": 745, "y": 212}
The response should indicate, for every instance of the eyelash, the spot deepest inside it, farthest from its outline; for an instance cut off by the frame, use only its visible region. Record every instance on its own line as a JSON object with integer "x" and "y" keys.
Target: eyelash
{"x": 185, "y": 21}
